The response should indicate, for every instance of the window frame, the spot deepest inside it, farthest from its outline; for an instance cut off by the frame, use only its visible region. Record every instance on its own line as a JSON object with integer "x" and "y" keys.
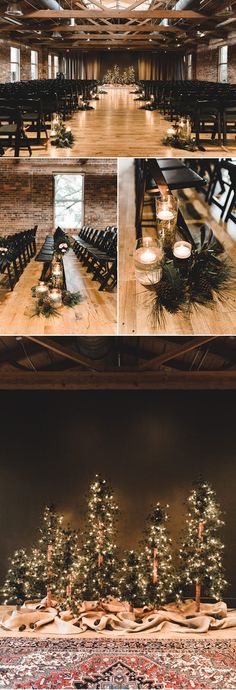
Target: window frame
{"x": 34, "y": 63}
{"x": 62, "y": 173}
{"x": 15, "y": 62}
{"x": 222, "y": 63}
{"x": 55, "y": 65}
{"x": 49, "y": 65}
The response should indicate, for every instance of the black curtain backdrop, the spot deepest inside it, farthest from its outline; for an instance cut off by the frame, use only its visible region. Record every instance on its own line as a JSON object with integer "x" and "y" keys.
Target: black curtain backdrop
{"x": 161, "y": 66}
{"x": 164, "y": 66}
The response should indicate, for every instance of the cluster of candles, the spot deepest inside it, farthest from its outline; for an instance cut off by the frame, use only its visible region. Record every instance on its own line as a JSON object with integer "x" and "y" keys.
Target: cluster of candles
{"x": 55, "y": 122}
{"x": 54, "y": 294}
{"x": 181, "y": 129}
{"x": 149, "y": 252}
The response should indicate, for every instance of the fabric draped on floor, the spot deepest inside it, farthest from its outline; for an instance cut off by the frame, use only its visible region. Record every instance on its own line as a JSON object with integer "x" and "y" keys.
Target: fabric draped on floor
{"x": 114, "y": 618}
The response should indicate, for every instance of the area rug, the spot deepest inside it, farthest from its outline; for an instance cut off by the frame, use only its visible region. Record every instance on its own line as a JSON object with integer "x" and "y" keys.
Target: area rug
{"x": 117, "y": 663}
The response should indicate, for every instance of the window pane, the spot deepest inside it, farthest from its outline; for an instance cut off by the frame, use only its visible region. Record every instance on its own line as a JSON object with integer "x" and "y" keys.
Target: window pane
{"x": 49, "y": 66}
{"x": 68, "y": 200}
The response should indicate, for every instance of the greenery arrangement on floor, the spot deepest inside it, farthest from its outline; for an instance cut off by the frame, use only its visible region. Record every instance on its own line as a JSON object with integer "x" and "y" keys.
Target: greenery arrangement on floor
{"x": 85, "y": 105}
{"x": 177, "y": 142}
{"x": 44, "y": 305}
{"x": 50, "y": 294}
{"x": 149, "y": 105}
{"x": 62, "y": 135}
{"x": 205, "y": 280}
{"x": 179, "y": 135}
{"x": 71, "y": 569}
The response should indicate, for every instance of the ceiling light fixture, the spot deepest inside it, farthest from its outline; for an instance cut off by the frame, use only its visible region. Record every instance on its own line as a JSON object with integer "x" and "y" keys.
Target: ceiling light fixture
{"x": 14, "y": 9}
{"x": 56, "y": 34}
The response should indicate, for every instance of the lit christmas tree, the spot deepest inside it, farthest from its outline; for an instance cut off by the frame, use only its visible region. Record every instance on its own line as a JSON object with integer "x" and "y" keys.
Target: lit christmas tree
{"x": 16, "y": 587}
{"x": 130, "y": 586}
{"x": 70, "y": 564}
{"x": 157, "y": 574}
{"x": 131, "y": 74}
{"x": 45, "y": 565}
{"x": 201, "y": 552}
{"x": 98, "y": 577}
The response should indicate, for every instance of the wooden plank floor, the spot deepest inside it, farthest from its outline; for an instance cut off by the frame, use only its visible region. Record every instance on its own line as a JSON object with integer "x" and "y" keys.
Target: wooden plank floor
{"x": 95, "y": 315}
{"x": 118, "y": 127}
{"x": 135, "y": 300}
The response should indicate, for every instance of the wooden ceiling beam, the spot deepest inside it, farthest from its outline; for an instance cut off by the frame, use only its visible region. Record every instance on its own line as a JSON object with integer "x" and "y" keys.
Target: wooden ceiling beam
{"x": 182, "y": 349}
{"x": 115, "y": 380}
{"x": 116, "y": 14}
{"x": 53, "y": 346}
{"x": 113, "y": 28}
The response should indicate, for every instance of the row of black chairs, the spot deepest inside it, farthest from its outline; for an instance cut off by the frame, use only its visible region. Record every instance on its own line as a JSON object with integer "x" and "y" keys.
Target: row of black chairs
{"x": 97, "y": 251}
{"x": 16, "y": 251}
{"x": 220, "y": 184}
{"x": 29, "y": 106}
{"x": 211, "y": 105}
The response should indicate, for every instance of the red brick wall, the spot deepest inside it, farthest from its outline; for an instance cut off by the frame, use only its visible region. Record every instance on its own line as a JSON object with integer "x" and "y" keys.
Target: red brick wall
{"x": 207, "y": 60}
{"x": 25, "y": 60}
{"x": 26, "y": 193}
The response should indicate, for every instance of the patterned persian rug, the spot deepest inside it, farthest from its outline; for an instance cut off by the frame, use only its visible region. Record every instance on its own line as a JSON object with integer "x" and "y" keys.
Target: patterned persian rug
{"x": 117, "y": 663}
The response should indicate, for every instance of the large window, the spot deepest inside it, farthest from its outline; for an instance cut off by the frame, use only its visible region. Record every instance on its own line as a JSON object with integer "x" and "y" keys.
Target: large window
{"x": 56, "y": 65}
{"x": 49, "y": 66}
{"x": 189, "y": 66}
{"x": 15, "y": 64}
{"x": 34, "y": 64}
{"x": 69, "y": 201}
{"x": 223, "y": 63}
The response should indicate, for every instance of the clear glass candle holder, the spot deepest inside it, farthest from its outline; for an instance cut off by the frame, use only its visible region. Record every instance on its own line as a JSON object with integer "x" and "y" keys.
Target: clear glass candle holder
{"x": 41, "y": 289}
{"x": 147, "y": 260}
{"x": 56, "y": 297}
{"x": 182, "y": 252}
{"x": 166, "y": 217}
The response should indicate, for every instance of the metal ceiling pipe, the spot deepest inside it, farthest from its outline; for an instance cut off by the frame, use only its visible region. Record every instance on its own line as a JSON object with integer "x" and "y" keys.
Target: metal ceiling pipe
{"x": 51, "y": 4}
{"x": 95, "y": 347}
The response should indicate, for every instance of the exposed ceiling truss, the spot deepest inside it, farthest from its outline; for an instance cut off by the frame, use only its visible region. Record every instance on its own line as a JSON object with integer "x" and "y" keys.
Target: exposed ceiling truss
{"x": 120, "y": 24}
{"x": 74, "y": 363}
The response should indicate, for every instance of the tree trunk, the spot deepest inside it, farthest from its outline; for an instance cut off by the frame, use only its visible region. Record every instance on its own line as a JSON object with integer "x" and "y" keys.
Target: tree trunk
{"x": 198, "y": 594}
{"x": 49, "y": 561}
{"x": 198, "y": 582}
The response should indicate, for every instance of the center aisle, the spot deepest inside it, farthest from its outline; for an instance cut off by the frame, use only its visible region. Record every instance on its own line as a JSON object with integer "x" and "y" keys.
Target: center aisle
{"x": 117, "y": 126}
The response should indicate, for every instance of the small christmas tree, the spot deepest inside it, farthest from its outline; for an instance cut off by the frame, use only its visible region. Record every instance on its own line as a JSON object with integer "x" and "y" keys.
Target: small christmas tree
{"x": 131, "y": 75}
{"x": 70, "y": 563}
{"x": 157, "y": 575}
{"x": 45, "y": 564}
{"x": 201, "y": 552}
{"x": 130, "y": 586}
{"x": 16, "y": 587}
{"x": 98, "y": 573}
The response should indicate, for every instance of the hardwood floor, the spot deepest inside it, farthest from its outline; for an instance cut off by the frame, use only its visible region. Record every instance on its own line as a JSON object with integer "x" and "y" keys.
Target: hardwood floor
{"x": 118, "y": 127}
{"x": 95, "y": 315}
{"x": 135, "y": 301}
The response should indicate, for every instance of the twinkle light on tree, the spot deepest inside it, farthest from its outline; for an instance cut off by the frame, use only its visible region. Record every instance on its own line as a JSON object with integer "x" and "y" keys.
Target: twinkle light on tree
{"x": 70, "y": 564}
{"x": 130, "y": 586}
{"x": 157, "y": 574}
{"x": 45, "y": 565}
{"x": 98, "y": 572}
{"x": 16, "y": 587}
{"x": 201, "y": 552}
